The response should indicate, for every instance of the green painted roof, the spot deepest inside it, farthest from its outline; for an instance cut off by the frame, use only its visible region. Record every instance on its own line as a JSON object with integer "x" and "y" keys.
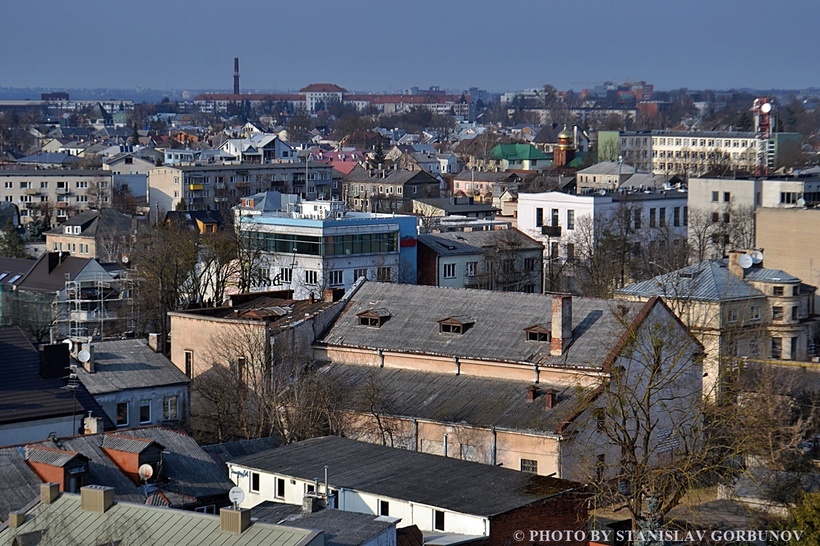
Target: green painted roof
{"x": 65, "y": 521}
{"x": 517, "y": 152}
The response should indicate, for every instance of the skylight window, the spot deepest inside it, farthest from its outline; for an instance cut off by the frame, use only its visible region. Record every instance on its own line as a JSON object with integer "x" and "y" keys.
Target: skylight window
{"x": 15, "y": 278}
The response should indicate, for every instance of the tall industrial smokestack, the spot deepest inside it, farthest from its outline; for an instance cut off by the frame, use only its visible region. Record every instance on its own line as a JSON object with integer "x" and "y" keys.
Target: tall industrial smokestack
{"x": 236, "y": 75}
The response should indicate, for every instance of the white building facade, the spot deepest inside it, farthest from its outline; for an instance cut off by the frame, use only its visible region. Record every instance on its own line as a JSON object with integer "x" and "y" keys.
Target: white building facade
{"x": 317, "y": 245}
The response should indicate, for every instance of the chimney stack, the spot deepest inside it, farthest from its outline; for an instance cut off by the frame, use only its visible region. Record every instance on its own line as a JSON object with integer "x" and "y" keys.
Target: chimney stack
{"x": 96, "y": 498}
{"x": 236, "y": 75}
{"x": 93, "y": 425}
{"x": 561, "y": 327}
{"x": 311, "y": 503}
{"x": 234, "y": 521}
{"x": 49, "y": 492}
{"x": 16, "y": 519}
{"x": 550, "y": 398}
{"x": 532, "y": 392}
{"x": 153, "y": 342}
{"x": 734, "y": 265}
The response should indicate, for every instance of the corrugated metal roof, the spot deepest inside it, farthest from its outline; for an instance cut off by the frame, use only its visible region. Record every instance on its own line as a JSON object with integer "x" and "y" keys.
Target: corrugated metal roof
{"x": 125, "y": 443}
{"x": 498, "y": 333}
{"x": 142, "y": 524}
{"x": 50, "y": 456}
{"x": 761, "y": 274}
{"x": 433, "y": 480}
{"x": 20, "y": 484}
{"x": 449, "y": 398}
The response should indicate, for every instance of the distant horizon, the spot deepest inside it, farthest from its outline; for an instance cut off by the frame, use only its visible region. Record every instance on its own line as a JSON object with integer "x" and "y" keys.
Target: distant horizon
{"x": 366, "y": 44}
{"x": 75, "y": 93}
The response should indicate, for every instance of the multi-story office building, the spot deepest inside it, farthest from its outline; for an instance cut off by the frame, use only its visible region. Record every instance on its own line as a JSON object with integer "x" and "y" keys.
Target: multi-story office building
{"x": 313, "y": 245}
{"x": 56, "y": 193}
{"x": 203, "y": 187}
{"x": 697, "y": 152}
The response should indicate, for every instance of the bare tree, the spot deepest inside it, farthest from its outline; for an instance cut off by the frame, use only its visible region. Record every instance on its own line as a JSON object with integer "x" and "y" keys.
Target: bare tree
{"x": 647, "y": 435}
{"x": 164, "y": 260}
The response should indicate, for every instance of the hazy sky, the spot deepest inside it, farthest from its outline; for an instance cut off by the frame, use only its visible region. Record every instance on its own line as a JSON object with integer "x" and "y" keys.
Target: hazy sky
{"x": 393, "y": 45}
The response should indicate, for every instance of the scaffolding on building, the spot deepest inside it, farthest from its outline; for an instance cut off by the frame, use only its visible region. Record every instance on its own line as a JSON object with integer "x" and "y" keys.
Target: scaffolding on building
{"x": 97, "y": 307}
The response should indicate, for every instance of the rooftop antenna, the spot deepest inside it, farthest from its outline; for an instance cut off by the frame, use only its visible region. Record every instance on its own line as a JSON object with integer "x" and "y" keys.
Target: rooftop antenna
{"x": 236, "y": 496}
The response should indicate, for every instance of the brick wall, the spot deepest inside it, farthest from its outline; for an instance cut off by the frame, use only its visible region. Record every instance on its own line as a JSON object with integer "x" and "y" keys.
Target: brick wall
{"x": 567, "y": 512}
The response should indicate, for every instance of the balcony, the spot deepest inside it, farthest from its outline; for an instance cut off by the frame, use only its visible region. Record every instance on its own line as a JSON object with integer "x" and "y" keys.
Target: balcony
{"x": 196, "y": 187}
{"x": 472, "y": 282}
{"x": 62, "y": 204}
{"x": 219, "y": 186}
{"x": 62, "y": 191}
{"x": 32, "y": 205}
{"x": 243, "y": 185}
{"x": 32, "y": 191}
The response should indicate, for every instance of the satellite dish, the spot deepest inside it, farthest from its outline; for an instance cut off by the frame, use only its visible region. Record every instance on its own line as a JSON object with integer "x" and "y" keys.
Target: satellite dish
{"x": 125, "y": 259}
{"x": 602, "y": 192}
{"x": 84, "y": 356}
{"x": 766, "y": 107}
{"x": 145, "y": 472}
{"x": 236, "y": 495}
{"x": 744, "y": 261}
{"x": 757, "y": 256}
{"x": 801, "y": 202}
{"x": 69, "y": 343}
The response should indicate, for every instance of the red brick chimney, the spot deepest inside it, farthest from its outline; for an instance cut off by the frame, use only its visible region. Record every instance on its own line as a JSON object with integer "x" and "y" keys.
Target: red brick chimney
{"x": 532, "y": 392}
{"x": 561, "y": 327}
{"x": 550, "y": 398}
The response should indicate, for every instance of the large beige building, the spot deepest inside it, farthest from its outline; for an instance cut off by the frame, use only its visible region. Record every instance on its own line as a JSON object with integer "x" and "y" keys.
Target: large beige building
{"x": 63, "y": 193}
{"x": 204, "y": 187}
{"x": 500, "y": 378}
{"x": 737, "y": 312}
{"x": 788, "y": 237}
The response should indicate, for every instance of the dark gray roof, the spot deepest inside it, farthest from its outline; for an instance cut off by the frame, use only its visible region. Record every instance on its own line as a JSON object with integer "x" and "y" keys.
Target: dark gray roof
{"x": 129, "y": 364}
{"x": 710, "y": 280}
{"x": 443, "y": 482}
{"x": 341, "y": 528}
{"x": 11, "y": 267}
{"x": 94, "y": 222}
{"x": 190, "y": 471}
{"x": 498, "y": 333}
{"x": 228, "y": 451}
{"x": 449, "y": 398}
{"x": 477, "y": 242}
{"x": 24, "y": 394}
{"x": 49, "y": 272}
{"x": 20, "y": 484}
{"x": 50, "y": 158}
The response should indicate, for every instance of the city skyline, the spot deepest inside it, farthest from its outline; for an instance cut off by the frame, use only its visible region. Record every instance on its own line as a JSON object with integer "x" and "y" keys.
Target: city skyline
{"x": 374, "y": 46}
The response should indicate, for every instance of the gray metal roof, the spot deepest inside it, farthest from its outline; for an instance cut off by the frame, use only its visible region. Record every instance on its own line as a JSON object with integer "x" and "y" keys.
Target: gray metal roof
{"x": 761, "y": 274}
{"x": 498, "y": 333}
{"x": 20, "y": 484}
{"x": 449, "y": 398}
{"x": 138, "y": 523}
{"x": 477, "y": 242}
{"x": 129, "y": 364}
{"x": 341, "y": 528}
{"x": 710, "y": 280}
{"x": 433, "y": 480}
{"x": 608, "y": 168}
